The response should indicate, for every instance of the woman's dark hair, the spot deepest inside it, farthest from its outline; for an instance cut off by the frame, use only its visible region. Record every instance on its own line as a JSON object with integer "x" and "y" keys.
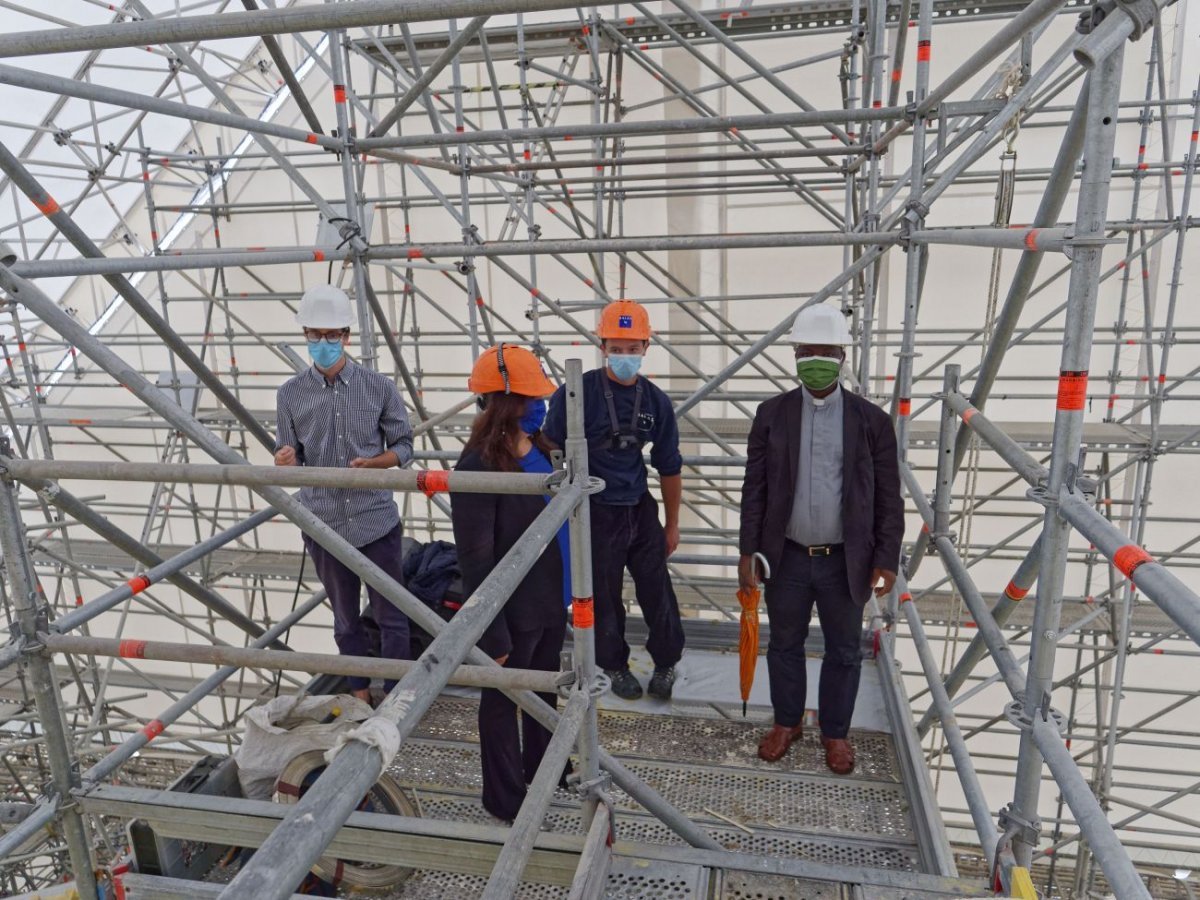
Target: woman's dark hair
{"x": 496, "y": 428}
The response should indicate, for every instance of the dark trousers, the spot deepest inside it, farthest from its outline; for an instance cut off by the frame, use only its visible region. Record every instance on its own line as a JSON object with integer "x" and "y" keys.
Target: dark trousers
{"x": 344, "y": 588}
{"x": 512, "y": 750}
{"x": 802, "y": 582}
{"x": 632, "y": 537}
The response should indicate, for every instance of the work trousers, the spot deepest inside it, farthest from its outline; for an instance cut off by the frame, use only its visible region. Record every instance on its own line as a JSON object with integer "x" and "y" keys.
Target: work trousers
{"x": 345, "y": 596}
{"x": 512, "y": 750}
{"x": 632, "y": 537}
{"x": 801, "y": 583}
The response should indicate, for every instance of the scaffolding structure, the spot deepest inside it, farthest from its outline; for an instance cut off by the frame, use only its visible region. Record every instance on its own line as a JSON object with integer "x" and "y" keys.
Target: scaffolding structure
{"x": 199, "y": 167}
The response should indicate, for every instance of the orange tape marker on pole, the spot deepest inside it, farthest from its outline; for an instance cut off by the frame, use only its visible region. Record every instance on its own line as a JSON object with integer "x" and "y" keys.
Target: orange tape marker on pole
{"x": 138, "y": 584}
{"x": 1012, "y": 592}
{"x": 48, "y": 207}
{"x": 583, "y": 612}
{"x": 433, "y": 481}
{"x": 153, "y": 729}
{"x": 1129, "y": 557}
{"x": 132, "y": 649}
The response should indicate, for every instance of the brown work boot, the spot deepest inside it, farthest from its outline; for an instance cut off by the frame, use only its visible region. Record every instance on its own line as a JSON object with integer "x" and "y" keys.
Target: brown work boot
{"x": 839, "y": 755}
{"x": 775, "y": 742}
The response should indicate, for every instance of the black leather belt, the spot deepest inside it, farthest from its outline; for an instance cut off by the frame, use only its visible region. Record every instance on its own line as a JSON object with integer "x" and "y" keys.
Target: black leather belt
{"x": 822, "y": 549}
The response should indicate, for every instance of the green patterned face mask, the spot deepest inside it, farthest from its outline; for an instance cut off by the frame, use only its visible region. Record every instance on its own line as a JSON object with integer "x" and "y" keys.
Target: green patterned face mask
{"x": 818, "y": 372}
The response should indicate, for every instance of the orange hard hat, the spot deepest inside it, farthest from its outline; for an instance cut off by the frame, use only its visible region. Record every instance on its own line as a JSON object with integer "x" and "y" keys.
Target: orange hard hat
{"x": 624, "y": 320}
{"x": 509, "y": 368}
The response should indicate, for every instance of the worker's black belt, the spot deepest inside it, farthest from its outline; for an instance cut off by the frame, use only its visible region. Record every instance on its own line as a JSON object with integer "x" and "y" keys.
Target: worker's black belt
{"x": 821, "y": 549}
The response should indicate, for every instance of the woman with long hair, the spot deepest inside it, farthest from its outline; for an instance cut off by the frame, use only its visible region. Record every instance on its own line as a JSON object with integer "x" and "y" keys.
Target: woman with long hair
{"x": 528, "y": 632}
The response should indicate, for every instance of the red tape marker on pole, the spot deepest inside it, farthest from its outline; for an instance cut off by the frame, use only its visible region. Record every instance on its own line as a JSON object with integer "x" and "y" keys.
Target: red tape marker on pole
{"x": 582, "y": 612}
{"x": 433, "y": 481}
{"x": 1129, "y": 557}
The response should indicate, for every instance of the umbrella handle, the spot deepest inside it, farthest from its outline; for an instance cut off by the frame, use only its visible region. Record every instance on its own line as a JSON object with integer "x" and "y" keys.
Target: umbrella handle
{"x": 766, "y": 566}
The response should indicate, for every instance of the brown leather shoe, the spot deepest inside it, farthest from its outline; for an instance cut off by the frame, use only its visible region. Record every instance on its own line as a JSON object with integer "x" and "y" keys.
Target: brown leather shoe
{"x": 839, "y": 755}
{"x": 775, "y": 742}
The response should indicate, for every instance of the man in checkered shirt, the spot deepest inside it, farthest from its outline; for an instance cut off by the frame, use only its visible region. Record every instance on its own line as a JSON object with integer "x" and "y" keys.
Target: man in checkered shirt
{"x": 338, "y": 413}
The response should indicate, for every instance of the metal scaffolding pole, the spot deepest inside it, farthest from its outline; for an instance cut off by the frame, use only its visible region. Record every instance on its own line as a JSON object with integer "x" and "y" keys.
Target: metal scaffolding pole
{"x": 914, "y": 219}
{"x": 1099, "y": 139}
{"x": 964, "y": 768}
{"x": 295, "y": 661}
{"x": 243, "y": 475}
{"x": 583, "y": 633}
{"x": 25, "y": 605}
{"x": 222, "y": 26}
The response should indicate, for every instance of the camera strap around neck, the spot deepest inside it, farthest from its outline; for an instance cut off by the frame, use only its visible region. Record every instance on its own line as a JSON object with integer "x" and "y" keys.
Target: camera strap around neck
{"x": 612, "y": 409}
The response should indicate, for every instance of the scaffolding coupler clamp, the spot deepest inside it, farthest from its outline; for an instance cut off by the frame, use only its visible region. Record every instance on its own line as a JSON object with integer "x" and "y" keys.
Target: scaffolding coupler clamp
{"x": 599, "y": 786}
{"x": 1012, "y": 824}
{"x": 1143, "y": 14}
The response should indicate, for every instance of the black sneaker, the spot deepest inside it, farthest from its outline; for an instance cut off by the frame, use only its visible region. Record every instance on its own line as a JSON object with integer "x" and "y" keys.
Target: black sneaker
{"x": 662, "y": 682}
{"x": 624, "y": 685}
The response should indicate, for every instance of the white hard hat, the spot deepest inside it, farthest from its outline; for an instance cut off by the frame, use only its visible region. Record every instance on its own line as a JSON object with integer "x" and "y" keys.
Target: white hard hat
{"x": 822, "y": 325}
{"x": 325, "y": 306}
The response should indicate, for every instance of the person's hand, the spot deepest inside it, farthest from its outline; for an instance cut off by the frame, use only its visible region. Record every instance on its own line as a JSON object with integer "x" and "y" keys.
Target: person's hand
{"x": 889, "y": 580}
{"x": 285, "y": 456}
{"x": 747, "y": 573}
{"x": 384, "y": 460}
{"x": 501, "y": 660}
{"x": 672, "y": 532}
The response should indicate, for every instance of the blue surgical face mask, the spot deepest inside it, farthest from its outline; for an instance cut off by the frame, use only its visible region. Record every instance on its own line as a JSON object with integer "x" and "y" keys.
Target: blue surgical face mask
{"x": 624, "y": 365}
{"x": 535, "y": 416}
{"x": 325, "y": 354}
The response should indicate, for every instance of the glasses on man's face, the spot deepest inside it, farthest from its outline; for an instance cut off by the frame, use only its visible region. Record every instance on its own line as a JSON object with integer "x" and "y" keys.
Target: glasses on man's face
{"x": 329, "y": 337}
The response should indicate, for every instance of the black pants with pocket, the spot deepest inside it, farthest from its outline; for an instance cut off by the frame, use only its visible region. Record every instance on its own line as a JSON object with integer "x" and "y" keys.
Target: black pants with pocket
{"x": 511, "y": 743}
{"x": 801, "y": 583}
{"x": 631, "y": 537}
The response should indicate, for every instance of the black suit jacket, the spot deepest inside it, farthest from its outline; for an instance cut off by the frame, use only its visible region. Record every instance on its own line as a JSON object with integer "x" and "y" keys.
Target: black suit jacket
{"x": 872, "y": 509}
{"x": 485, "y": 528}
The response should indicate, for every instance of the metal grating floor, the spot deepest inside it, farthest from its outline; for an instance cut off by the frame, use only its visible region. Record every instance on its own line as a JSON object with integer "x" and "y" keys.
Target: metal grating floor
{"x": 564, "y": 818}
{"x": 628, "y": 880}
{"x": 747, "y": 886}
{"x": 770, "y": 800}
{"x": 705, "y": 740}
{"x": 708, "y": 767}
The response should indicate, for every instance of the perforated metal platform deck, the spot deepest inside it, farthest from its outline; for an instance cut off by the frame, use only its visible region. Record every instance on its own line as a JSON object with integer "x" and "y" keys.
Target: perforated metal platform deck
{"x": 788, "y": 831}
{"x": 709, "y": 768}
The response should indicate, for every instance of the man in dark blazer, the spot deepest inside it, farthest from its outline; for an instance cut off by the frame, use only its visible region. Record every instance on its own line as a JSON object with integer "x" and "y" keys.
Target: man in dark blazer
{"x": 821, "y": 502}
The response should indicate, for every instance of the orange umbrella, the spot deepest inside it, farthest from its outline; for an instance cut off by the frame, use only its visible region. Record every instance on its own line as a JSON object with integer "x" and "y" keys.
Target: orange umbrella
{"x": 748, "y": 637}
